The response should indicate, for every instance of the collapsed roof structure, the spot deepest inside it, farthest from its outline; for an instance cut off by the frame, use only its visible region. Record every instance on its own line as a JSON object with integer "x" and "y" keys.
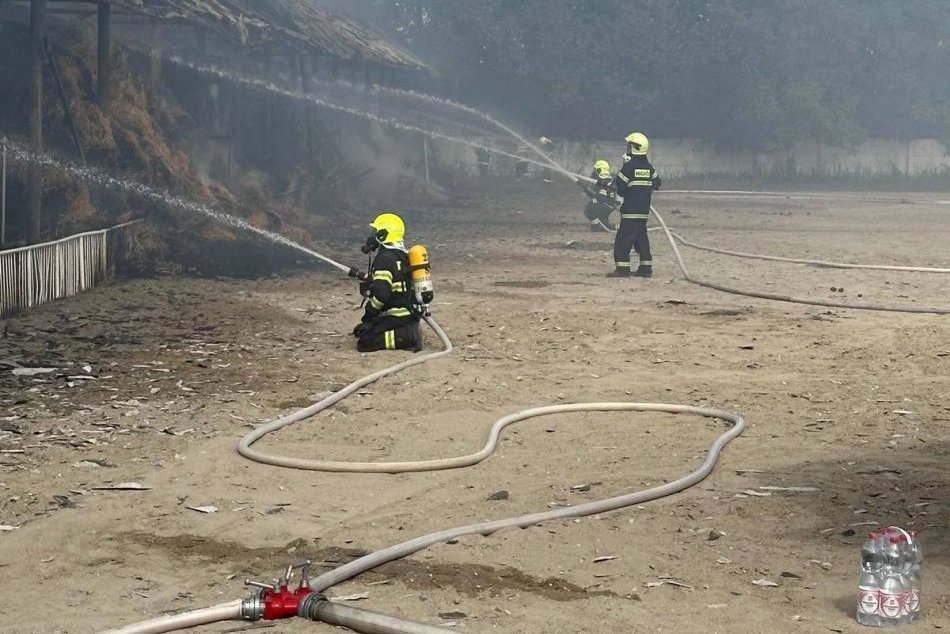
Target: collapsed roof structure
{"x": 273, "y": 32}
{"x": 287, "y": 24}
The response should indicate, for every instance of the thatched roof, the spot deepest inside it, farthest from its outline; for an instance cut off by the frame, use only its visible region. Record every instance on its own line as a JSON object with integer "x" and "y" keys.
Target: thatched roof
{"x": 288, "y": 23}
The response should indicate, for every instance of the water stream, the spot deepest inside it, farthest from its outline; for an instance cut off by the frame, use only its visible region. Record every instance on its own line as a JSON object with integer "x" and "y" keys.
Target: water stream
{"x": 260, "y": 84}
{"x": 96, "y": 176}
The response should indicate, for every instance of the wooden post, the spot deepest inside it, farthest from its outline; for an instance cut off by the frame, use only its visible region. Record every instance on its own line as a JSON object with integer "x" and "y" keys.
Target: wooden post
{"x": 234, "y": 91}
{"x": 62, "y": 98}
{"x": 37, "y": 20}
{"x": 104, "y": 37}
{"x": 268, "y": 115}
{"x": 3, "y": 194}
{"x": 305, "y": 73}
{"x": 425, "y": 153}
{"x": 322, "y": 66}
{"x": 306, "y": 68}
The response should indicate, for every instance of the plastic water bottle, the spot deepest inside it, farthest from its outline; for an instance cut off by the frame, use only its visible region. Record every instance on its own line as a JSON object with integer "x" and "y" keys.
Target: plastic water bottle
{"x": 889, "y": 585}
{"x": 892, "y": 597}
{"x": 915, "y": 556}
{"x": 870, "y": 581}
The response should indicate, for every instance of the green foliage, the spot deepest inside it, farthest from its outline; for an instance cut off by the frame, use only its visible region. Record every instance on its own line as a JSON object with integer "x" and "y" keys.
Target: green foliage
{"x": 745, "y": 73}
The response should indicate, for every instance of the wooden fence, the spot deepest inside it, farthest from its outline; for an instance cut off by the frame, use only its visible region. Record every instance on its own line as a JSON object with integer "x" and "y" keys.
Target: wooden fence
{"x": 40, "y": 273}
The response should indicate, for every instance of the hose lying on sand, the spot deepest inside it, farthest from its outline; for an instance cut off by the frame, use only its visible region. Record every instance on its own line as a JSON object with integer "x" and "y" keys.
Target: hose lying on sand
{"x": 672, "y": 237}
{"x": 315, "y": 608}
{"x": 353, "y": 617}
{"x": 245, "y": 449}
{"x": 370, "y": 622}
{"x": 788, "y": 298}
{"x": 223, "y": 612}
{"x": 819, "y": 263}
{"x": 363, "y": 564}
{"x": 750, "y": 193}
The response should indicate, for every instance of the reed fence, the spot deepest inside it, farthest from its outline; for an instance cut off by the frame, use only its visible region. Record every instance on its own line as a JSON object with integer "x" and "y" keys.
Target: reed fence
{"x": 39, "y": 273}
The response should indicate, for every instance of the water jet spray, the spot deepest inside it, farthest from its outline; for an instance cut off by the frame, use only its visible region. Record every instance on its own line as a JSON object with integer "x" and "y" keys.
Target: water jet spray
{"x": 99, "y": 177}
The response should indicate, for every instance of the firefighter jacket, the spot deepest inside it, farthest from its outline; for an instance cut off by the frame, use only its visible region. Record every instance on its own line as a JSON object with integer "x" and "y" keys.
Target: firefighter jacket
{"x": 636, "y": 181}
{"x": 389, "y": 285}
{"x": 603, "y": 191}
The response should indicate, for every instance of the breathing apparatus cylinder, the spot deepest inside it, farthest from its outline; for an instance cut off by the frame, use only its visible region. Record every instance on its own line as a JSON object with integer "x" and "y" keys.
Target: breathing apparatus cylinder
{"x": 421, "y": 274}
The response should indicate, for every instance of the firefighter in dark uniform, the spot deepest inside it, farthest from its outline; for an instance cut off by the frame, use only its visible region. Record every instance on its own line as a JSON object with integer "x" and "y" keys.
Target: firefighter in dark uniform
{"x": 636, "y": 182}
{"x": 603, "y": 198}
{"x": 390, "y": 321}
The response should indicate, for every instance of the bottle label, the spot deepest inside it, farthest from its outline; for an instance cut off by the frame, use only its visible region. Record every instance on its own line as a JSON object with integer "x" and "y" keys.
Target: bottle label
{"x": 905, "y": 599}
{"x": 890, "y": 605}
{"x": 868, "y": 601}
{"x": 913, "y": 601}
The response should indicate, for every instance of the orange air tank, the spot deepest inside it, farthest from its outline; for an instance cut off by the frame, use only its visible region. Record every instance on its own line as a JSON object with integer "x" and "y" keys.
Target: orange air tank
{"x": 421, "y": 274}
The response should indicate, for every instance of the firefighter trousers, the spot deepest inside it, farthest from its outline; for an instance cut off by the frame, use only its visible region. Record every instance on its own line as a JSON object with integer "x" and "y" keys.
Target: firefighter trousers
{"x": 595, "y": 211}
{"x": 391, "y": 333}
{"x": 632, "y": 234}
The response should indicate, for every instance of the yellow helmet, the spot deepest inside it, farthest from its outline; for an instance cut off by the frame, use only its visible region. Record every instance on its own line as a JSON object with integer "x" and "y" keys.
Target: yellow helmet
{"x": 389, "y": 228}
{"x": 640, "y": 143}
{"x": 603, "y": 168}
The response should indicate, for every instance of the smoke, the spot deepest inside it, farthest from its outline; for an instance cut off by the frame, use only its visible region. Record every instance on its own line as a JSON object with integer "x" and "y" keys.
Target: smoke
{"x": 362, "y": 111}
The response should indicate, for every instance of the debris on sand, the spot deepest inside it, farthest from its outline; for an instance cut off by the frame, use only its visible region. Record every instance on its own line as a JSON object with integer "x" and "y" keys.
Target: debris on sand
{"x": 123, "y": 486}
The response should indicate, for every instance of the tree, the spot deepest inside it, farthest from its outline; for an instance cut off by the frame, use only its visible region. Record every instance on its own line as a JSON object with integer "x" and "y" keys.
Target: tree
{"x": 744, "y": 73}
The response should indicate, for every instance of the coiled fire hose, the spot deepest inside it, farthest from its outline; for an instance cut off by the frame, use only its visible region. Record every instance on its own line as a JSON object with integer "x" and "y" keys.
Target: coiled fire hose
{"x": 371, "y": 622}
{"x": 361, "y": 619}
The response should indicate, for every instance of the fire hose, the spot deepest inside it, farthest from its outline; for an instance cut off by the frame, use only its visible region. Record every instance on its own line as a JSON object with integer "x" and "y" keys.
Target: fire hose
{"x": 277, "y": 600}
{"x": 308, "y": 601}
{"x": 816, "y": 263}
{"x": 673, "y": 238}
{"x": 797, "y": 300}
{"x": 362, "y": 620}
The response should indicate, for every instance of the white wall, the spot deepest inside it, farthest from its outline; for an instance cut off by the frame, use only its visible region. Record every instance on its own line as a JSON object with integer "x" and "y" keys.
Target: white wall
{"x": 689, "y": 157}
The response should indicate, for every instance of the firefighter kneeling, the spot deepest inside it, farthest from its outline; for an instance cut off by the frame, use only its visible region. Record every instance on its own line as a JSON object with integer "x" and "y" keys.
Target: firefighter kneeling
{"x": 394, "y": 304}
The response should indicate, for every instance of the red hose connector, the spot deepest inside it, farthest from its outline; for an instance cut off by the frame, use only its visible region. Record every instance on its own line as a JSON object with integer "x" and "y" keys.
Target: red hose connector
{"x": 276, "y": 600}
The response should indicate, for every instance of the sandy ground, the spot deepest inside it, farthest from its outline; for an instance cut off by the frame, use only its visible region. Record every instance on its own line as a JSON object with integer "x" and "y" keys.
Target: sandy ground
{"x": 851, "y": 403}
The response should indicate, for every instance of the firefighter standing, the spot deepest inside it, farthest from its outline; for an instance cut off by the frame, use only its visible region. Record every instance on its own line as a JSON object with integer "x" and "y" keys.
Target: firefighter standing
{"x": 603, "y": 198}
{"x": 390, "y": 321}
{"x": 636, "y": 181}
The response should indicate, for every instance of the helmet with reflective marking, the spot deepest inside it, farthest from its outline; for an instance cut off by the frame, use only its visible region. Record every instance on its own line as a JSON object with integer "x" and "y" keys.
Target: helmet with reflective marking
{"x": 389, "y": 228}
{"x": 603, "y": 168}
{"x": 638, "y": 143}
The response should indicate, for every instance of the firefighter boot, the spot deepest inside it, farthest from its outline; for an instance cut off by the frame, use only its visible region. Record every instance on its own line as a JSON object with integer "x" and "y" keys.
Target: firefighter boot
{"x": 620, "y": 271}
{"x": 644, "y": 270}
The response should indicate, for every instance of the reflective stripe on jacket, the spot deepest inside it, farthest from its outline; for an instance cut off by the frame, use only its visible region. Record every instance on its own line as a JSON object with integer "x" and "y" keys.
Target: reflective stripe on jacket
{"x": 636, "y": 181}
